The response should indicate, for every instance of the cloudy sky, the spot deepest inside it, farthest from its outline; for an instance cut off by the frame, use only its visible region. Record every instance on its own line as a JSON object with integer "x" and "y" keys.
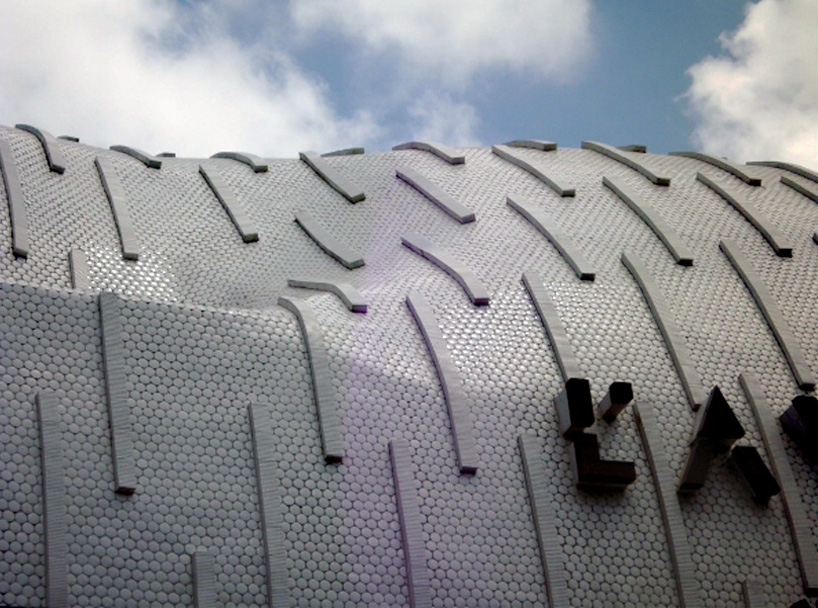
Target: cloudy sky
{"x": 275, "y": 77}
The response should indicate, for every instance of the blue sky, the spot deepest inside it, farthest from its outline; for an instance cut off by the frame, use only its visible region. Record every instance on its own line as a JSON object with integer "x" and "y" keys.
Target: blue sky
{"x": 723, "y": 76}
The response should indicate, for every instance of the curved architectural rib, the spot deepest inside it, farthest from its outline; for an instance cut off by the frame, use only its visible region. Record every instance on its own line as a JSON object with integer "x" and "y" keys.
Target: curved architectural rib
{"x": 769, "y": 308}
{"x": 801, "y": 189}
{"x": 329, "y": 420}
{"x": 671, "y": 332}
{"x": 533, "y": 144}
{"x": 465, "y": 446}
{"x": 204, "y": 590}
{"x": 562, "y": 243}
{"x": 256, "y": 163}
{"x": 18, "y": 216}
{"x": 350, "y": 296}
{"x": 800, "y": 527}
{"x": 436, "y": 194}
{"x": 553, "y": 182}
{"x": 53, "y": 154}
{"x": 332, "y": 246}
{"x": 338, "y": 182}
{"x": 441, "y": 258}
{"x": 78, "y": 265}
{"x": 684, "y": 569}
{"x": 119, "y": 206}
{"x": 680, "y": 252}
{"x": 270, "y": 507}
{"x": 344, "y": 152}
{"x": 235, "y": 209}
{"x": 566, "y": 359}
{"x": 441, "y": 151}
{"x": 622, "y": 157}
{"x": 724, "y": 165}
{"x": 777, "y": 240}
{"x": 638, "y": 148}
{"x": 537, "y": 482}
{"x": 797, "y": 169}
{"x": 55, "y": 505}
{"x": 411, "y": 529}
{"x": 143, "y": 157}
{"x": 116, "y": 391}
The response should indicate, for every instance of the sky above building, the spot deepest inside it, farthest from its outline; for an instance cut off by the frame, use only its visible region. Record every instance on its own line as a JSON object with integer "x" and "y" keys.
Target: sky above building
{"x": 273, "y": 78}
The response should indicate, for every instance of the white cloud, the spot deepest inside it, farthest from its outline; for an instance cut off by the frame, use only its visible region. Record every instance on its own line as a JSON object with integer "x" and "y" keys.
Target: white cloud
{"x": 760, "y": 100}
{"x": 133, "y": 73}
{"x": 453, "y": 40}
{"x": 438, "y": 117}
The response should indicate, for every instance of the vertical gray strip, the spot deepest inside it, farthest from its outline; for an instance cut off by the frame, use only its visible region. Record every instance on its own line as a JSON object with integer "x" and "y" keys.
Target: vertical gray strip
{"x": 411, "y": 530}
{"x": 800, "y": 527}
{"x": 800, "y": 188}
{"x": 16, "y": 202}
{"x": 329, "y": 421}
{"x": 436, "y": 194}
{"x": 455, "y": 396}
{"x": 538, "y": 483}
{"x": 269, "y": 499}
{"x": 439, "y": 150}
{"x": 350, "y": 296}
{"x": 338, "y": 182}
{"x": 441, "y": 258}
{"x": 622, "y": 157}
{"x": 569, "y": 366}
{"x": 256, "y": 163}
{"x": 556, "y": 183}
{"x": 337, "y": 250}
{"x": 671, "y": 332}
{"x": 78, "y": 264}
{"x": 724, "y": 165}
{"x": 664, "y": 479}
{"x": 116, "y": 390}
{"x": 532, "y": 144}
{"x": 555, "y": 236}
{"x": 235, "y": 209}
{"x": 119, "y": 206}
{"x": 143, "y": 157}
{"x": 677, "y": 248}
{"x": 777, "y": 240}
{"x": 769, "y": 308}
{"x": 754, "y": 596}
{"x": 54, "y": 502}
{"x": 53, "y": 154}
{"x": 797, "y": 169}
{"x": 204, "y": 590}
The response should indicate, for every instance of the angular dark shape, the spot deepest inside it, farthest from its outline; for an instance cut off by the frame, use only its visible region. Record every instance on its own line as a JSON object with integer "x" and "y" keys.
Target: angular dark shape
{"x": 697, "y": 465}
{"x": 717, "y": 422}
{"x": 801, "y": 604}
{"x": 574, "y": 407}
{"x": 73, "y": 138}
{"x": 800, "y": 421}
{"x": 167, "y": 154}
{"x": 533, "y": 144}
{"x": 755, "y": 473}
{"x": 619, "y": 395}
{"x": 634, "y": 148}
{"x": 344, "y": 152}
{"x": 592, "y": 473}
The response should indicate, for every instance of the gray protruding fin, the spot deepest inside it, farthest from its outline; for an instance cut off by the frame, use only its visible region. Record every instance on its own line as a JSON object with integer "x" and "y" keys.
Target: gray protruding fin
{"x": 270, "y": 505}
{"x": 444, "y": 260}
{"x": 555, "y": 182}
{"x": 17, "y": 204}
{"x": 622, "y": 157}
{"x": 78, "y": 264}
{"x": 328, "y": 243}
{"x": 143, "y": 157}
{"x": 53, "y": 154}
{"x": 810, "y": 193}
{"x": 441, "y": 151}
{"x": 724, "y": 165}
{"x": 119, "y": 207}
{"x": 455, "y": 396}
{"x": 326, "y": 401}
{"x": 411, "y": 528}
{"x": 777, "y": 240}
{"x": 329, "y": 174}
{"x": 256, "y": 163}
{"x": 204, "y": 590}
{"x": 354, "y": 151}
{"x": 235, "y": 209}
{"x": 775, "y": 319}
{"x": 436, "y": 194}
{"x": 532, "y": 144}
{"x": 691, "y": 380}
{"x": 677, "y": 248}
{"x": 797, "y": 169}
{"x": 348, "y": 294}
